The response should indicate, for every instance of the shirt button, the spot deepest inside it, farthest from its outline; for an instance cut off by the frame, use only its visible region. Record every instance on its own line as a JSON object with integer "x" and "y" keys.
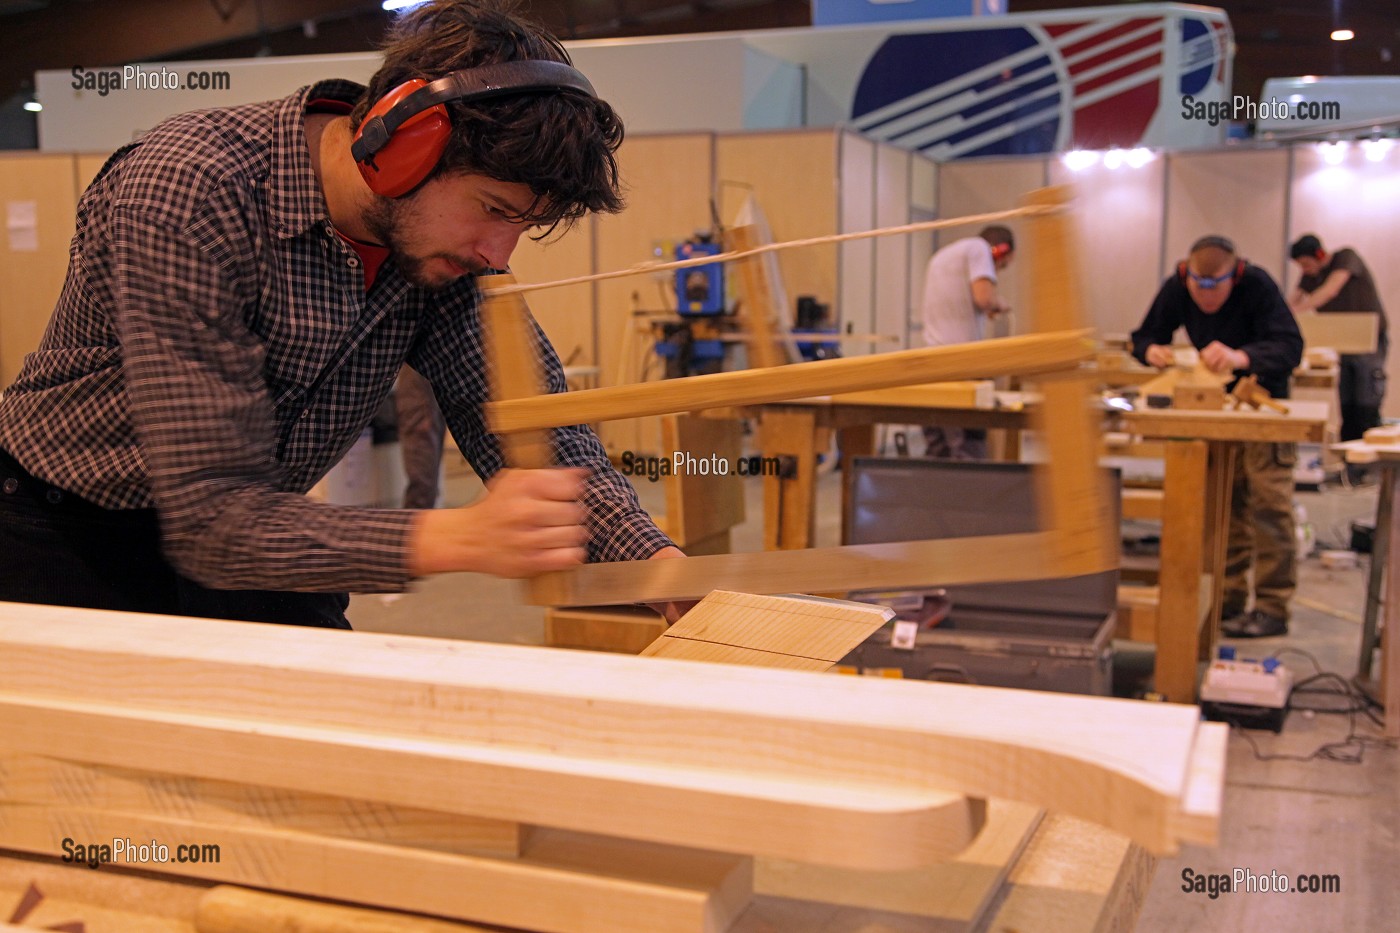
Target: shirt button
{"x": 353, "y": 262}
{"x": 306, "y": 413}
{"x": 330, "y": 229}
{"x": 54, "y": 496}
{"x": 11, "y": 486}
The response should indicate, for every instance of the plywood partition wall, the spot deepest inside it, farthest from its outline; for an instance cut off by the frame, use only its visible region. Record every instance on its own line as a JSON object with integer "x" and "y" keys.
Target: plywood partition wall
{"x": 893, "y": 184}
{"x": 923, "y": 205}
{"x": 37, "y": 203}
{"x": 669, "y": 180}
{"x": 856, "y": 199}
{"x": 980, "y": 187}
{"x": 794, "y": 175}
{"x": 1235, "y": 194}
{"x": 568, "y": 315}
{"x": 1118, "y": 217}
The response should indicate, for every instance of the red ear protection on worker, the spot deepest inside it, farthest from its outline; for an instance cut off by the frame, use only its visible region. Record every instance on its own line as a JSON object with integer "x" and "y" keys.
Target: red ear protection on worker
{"x": 1000, "y": 250}
{"x": 1320, "y": 255}
{"x": 402, "y": 137}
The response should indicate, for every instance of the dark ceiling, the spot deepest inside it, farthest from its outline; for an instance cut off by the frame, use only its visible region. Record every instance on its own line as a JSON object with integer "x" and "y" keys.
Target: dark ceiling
{"x": 1287, "y": 37}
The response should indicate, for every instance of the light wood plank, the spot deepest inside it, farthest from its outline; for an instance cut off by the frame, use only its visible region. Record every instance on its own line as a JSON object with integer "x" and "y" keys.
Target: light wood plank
{"x": 820, "y": 630}
{"x": 512, "y": 360}
{"x": 106, "y": 901}
{"x": 1073, "y": 504}
{"x": 682, "y": 650}
{"x": 1204, "y": 794}
{"x": 646, "y": 888}
{"x": 52, "y": 782}
{"x": 229, "y": 909}
{"x": 958, "y": 890}
{"x": 732, "y": 811}
{"x": 789, "y": 496}
{"x": 760, "y": 315}
{"x": 1345, "y": 332}
{"x": 624, "y": 629}
{"x": 905, "y": 564}
{"x": 537, "y": 730}
{"x": 1183, "y": 559}
{"x": 969, "y": 393}
{"x": 702, "y": 506}
{"x": 1035, "y": 353}
{"x": 1074, "y": 877}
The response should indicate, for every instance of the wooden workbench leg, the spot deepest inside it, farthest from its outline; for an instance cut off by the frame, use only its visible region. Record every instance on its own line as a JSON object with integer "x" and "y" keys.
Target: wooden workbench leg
{"x": 854, "y": 441}
{"x": 1375, "y": 580}
{"x": 789, "y": 500}
{"x": 1183, "y": 559}
{"x": 1220, "y": 474}
{"x": 1390, "y": 658}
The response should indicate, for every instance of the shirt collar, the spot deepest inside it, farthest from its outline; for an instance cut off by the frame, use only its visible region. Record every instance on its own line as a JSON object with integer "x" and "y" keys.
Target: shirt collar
{"x": 295, "y": 200}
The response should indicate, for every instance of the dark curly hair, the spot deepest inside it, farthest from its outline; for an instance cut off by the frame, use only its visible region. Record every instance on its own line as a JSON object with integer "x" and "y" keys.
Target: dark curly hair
{"x": 562, "y": 145}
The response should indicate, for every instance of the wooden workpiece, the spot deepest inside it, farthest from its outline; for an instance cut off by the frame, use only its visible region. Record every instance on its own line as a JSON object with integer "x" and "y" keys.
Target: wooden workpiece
{"x": 514, "y": 369}
{"x": 1032, "y": 353}
{"x": 770, "y": 631}
{"x": 262, "y": 704}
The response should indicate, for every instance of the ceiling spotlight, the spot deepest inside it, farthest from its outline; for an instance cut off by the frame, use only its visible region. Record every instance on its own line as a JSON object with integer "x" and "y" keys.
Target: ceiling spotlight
{"x": 1077, "y": 160}
{"x": 1376, "y": 149}
{"x": 1334, "y": 152}
{"x": 1113, "y": 158}
{"x": 1342, "y": 35}
{"x": 33, "y": 106}
{"x": 1137, "y": 158}
{"x": 401, "y": 5}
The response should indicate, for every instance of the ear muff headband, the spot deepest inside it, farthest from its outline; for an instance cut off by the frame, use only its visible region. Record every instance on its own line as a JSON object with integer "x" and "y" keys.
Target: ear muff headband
{"x": 404, "y": 134}
{"x": 1000, "y": 250}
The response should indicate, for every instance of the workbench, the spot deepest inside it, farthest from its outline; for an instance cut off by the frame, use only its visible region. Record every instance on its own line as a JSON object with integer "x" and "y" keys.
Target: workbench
{"x": 1385, "y": 564}
{"x": 798, "y": 430}
{"x": 1201, "y": 447}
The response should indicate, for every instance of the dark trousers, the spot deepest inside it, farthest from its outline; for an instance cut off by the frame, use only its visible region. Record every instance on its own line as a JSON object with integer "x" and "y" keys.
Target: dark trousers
{"x": 60, "y": 550}
{"x": 1361, "y": 390}
{"x": 422, "y": 428}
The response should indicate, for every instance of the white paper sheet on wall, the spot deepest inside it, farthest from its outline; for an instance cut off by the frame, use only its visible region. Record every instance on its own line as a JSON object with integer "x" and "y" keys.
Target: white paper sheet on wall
{"x": 22, "y": 225}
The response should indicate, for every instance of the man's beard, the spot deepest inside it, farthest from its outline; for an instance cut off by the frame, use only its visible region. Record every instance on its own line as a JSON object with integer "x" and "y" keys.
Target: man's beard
{"x": 384, "y": 218}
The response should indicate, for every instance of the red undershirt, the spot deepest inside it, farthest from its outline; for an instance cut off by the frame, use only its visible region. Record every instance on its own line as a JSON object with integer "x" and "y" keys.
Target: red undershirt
{"x": 372, "y": 255}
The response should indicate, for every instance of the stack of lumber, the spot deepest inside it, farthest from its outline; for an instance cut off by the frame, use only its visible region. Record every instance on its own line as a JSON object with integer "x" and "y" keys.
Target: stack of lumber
{"x": 541, "y": 789}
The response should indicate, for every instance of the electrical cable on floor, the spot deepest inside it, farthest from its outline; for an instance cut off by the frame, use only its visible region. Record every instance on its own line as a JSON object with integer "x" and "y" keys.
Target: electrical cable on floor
{"x": 1350, "y": 750}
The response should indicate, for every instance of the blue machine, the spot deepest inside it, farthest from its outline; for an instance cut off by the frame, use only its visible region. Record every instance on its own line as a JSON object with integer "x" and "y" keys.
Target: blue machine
{"x": 694, "y": 346}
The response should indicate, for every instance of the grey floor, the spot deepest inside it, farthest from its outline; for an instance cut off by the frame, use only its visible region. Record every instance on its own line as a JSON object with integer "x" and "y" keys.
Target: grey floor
{"x": 1291, "y": 817}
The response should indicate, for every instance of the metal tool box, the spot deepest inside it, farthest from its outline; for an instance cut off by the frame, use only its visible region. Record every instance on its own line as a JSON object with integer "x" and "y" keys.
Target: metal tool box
{"x": 1036, "y": 634}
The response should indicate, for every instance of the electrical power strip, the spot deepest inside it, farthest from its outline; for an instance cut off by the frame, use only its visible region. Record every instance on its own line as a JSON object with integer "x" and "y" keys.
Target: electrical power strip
{"x": 1248, "y": 691}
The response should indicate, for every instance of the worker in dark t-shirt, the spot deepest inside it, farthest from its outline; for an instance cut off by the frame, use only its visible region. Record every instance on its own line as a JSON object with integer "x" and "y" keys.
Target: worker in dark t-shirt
{"x": 1340, "y": 281}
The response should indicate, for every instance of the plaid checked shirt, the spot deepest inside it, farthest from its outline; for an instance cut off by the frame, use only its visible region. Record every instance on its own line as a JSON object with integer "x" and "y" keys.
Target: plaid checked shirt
{"x": 214, "y": 353}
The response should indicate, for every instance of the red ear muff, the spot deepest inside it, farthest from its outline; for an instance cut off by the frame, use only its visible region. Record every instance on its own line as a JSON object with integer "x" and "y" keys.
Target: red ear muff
{"x": 1000, "y": 250}
{"x": 1319, "y": 254}
{"x": 1181, "y": 272}
{"x": 410, "y": 154}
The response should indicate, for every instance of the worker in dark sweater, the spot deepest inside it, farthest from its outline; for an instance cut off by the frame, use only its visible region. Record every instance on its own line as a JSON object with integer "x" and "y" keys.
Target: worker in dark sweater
{"x": 1236, "y": 317}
